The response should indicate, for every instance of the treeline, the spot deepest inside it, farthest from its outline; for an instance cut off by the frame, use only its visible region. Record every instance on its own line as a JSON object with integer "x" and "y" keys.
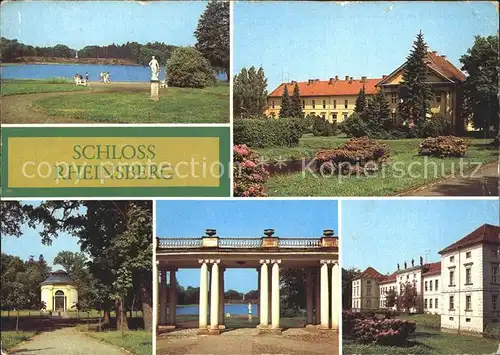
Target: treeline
{"x": 13, "y": 50}
{"x": 191, "y": 295}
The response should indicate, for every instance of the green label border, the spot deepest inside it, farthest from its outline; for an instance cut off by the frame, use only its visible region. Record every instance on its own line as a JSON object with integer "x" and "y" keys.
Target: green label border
{"x": 223, "y": 133}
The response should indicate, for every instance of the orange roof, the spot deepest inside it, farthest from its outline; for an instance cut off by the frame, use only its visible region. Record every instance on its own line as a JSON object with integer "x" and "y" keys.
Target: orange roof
{"x": 487, "y": 233}
{"x": 388, "y": 279}
{"x": 371, "y": 273}
{"x": 445, "y": 67}
{"x": 330, "y": 87}
{"x": 432, "y": 269}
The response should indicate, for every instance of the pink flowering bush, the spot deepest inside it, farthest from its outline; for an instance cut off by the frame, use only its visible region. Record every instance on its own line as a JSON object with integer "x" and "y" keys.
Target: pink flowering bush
{"x": 383, "y": 331}
{"x": 248, "y": 175}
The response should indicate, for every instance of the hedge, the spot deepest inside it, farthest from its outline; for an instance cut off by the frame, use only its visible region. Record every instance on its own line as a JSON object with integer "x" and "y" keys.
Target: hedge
{"x": 268, "y": 132}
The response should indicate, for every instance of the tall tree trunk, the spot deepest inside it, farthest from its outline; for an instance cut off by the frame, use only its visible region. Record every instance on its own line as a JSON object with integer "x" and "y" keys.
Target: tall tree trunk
{"x": 121, "y": 316}
{"x": 107, "y": 317}
{"x": 147, "y": 304}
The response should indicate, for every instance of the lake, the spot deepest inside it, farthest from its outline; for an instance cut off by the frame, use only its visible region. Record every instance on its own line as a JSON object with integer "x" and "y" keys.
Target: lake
{"x": 232, "y": 309}
{"x": 46, "y": 71}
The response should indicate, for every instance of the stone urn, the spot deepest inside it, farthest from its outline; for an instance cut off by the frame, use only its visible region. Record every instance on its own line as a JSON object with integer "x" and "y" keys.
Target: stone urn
{"x": 268, "y": 232}
{"x": 210, "y": 232}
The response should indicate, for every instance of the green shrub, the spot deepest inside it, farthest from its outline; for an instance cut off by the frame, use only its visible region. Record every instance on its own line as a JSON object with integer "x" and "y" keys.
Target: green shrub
{"x": 443, "y": 146}
{"x": 268, "y": 132}
{"x": 354, "y": 126}
{"x": 356, "y": 155}
{"x": 434, "y": 127}
{"x": 492, "y": 331}
{"x": 323, "y": 128}
{"x": 187, "y": 68}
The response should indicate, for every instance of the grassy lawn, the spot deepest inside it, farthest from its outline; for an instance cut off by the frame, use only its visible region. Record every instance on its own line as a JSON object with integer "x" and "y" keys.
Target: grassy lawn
{"x": 176, "y": 105}
{"x": 405, "y": 169}
{"x": 11, "y": 338}
{"x": 138, "y": 342}
{"x": 425, "y": 320}
{"x": 16, "y": 87}
{"x": 428, "y": 341}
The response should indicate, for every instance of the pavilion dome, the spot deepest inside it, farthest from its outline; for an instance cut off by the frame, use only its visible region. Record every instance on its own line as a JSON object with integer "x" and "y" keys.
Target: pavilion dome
{"x": 59, "y": 277}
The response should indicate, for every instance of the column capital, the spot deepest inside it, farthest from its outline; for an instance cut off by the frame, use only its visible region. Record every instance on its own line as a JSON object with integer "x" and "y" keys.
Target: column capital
{"x": 214, "y": 261}
{"x": 203, "y": 261}
{"x": 267, "y": 261}
{"x": 328, "y": 262}
{"x": 275, "y": 261}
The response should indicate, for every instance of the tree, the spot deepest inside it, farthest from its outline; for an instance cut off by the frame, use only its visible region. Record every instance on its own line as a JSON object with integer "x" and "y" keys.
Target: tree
{"x": 233, "y": 295}
{"x": 481, "y": 85}
{"x": 293, "y": 292}
{"x": 188, "y": 68}
{"x": 249, "y": 93}
{"x": 409, "y": 297}
{"x": 252, "y": 295}
{"x": 13, "y": 216}
{"x": 391, "y": 298}
{"x": 414, "y": 90}
{"x": 347, "y": 276}
{"x": 285, "y": 109}
{"x": 212, "y": 35}
{"x": 296, "y": 104}
{"x": 360, "y": 105}
{"x": 377, "y": 110}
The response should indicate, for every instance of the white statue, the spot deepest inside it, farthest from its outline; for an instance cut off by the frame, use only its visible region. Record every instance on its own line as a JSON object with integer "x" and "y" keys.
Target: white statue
{"x": 155, "y": 68}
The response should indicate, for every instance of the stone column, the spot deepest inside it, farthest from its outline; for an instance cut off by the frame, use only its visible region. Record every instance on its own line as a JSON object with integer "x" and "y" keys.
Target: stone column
{"x": 172, "y": 305}
{"x": 317, "y": 297}
{"x": 335, "y": 296}
{"x": 155, "y": 90}
{"x": 221, "y": 298}
{"x": 163, "y": 297}
{"x": 203, "y": 296}
{"x": 309, "y": 298}
{"x": 264, "y": 319}
{"x": 258, "y": 293}
{"x": 269, "y": 294}
{"x": 275, "y": 321}
{"x": 214, "y": 299}
{"x": 325, "y": 324}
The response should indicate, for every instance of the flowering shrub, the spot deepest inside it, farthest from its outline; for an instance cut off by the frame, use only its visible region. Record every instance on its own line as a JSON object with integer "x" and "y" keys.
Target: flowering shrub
{"x": 248, "y": 176}
{"x": 383, "y": 331}
{"x": 443, "y": 146}
{"x": 356, "y": 155}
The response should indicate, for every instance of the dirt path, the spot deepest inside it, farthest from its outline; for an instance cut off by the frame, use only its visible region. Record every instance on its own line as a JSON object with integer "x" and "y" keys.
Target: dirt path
{"x": 17, "y": 109}
{"x": 483, "y": 182}
{"x": 63, "y": 342}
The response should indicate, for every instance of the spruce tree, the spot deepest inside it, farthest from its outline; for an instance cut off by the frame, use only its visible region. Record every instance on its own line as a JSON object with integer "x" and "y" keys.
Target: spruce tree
{"x": 285, "y": 109}
{"x": 377, "y": 109}
{"x": 296, "y": 104}
{"x": 414, "y": 90}
{"x": 360, "y": 101}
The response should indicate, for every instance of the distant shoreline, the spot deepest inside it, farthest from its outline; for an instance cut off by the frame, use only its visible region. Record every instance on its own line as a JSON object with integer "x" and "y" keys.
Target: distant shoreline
{"x": 71, "y": 61}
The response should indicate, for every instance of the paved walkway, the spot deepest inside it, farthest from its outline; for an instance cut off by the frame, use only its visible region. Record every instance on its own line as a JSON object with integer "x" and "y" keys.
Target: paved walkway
{"x": 247, "y": 341}
{"x": 484, "y": 182}
{"x": 65, "y": 341}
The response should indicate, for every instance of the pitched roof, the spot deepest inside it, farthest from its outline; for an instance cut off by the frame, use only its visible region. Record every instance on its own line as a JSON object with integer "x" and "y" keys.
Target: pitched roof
{"x": 389, "y": 279}
{"x": 371, "y": 273}
{"x": 487, "y": 233}
{"x": 57, "y": 278}
{"x": 432, "y": 269}
{"x": 330, "y": 87}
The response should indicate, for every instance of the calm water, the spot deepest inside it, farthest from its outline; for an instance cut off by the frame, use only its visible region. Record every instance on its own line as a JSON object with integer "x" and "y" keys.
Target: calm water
{"x": 233, "y": 309}
{"x": 45, "y": 71}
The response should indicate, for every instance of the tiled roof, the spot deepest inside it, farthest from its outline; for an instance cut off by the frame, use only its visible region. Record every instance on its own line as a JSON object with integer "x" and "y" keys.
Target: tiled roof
{"x": 388, "y": 279}
{"x": 57, "y": 278}
{"x": 445, "y": 67}
{"x": 371, "y": 273}
{"x": 432, "y": 269}
{"x": 487, "y": 233}
{"x": 330, "y": 87}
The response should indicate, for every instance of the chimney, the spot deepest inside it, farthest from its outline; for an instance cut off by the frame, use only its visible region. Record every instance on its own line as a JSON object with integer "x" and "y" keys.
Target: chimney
{"x": 384, "y": 76}
{"x": 294, "y": 82}
{"x": 309, "y": 82}
{"x": 443, "y": 56}
{"x": 316, "y": 79}
{"x": 434, "y": 52}
{"x": 330, "y": 82}
{"x": 336, "y": 77}
{"x": 350, "y": 80}
{"x": 347, "y": 77}
{"x": 268, "y": 232}
{"x": 363, "y": 79}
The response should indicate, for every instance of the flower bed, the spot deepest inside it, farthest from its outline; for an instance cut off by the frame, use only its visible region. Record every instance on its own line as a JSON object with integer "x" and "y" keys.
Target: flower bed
{"x": 443, "y": 146}
{"x": 248, "y": 175}
{"x": 356, "y": 155}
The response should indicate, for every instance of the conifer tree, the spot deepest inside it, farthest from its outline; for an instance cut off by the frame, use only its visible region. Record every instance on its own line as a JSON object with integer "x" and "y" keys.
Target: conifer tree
{"x": 360, "y": 101}
{"x": 285, "y": 109}
{"x": 414, "y": 90}
{"x": 296, "y": 104}
{"x": 377, "y": 109}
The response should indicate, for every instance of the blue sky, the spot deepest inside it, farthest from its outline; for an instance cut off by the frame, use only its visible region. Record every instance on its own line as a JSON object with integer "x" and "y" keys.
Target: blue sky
{"x": 249, "y": 218}
{"x": 382, "y": 233}
{"x": 78, "y": 24}
{"x": 308, "y": 40}
{"x": 30, "y": 243}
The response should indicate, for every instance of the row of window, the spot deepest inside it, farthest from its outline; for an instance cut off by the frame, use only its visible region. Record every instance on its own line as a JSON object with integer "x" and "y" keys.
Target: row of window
{"x": 437, "y": 97}
{"x": 429, "y": 287}
{"x": 436, "y": 304}
{"x": 468, "y": 302}
{"x": 468, "y": 275}
{"x": 386, "y": 289}
{"x": 313, "y": 104}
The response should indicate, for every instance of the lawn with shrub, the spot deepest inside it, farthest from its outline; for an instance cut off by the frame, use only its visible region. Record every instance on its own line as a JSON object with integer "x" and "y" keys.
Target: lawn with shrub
{"x": 137, "y": 342}
{"x": 422, "y": 319}
{"x": 392, "y": 180}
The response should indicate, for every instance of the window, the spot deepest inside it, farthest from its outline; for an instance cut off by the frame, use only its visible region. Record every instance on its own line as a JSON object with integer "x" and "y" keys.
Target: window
{"x": 407, "y": 277}
{"x": 425, "y": 303}
{"x": 334, "y": 103}
{"x": 368, "y": 282}
{"x": 452, "y": 304}
{"x": 414, "y": 276}
{"x": 345, "y": 115}
{"x": 323, "y": 116}
{"x": 334, "y": 116}
{"x": 346, "y": 103}
{"x": 467, "y": 255}
{"x": 303, "y": 104}
{"x": 438, "y": 96}
{"x": 272, "y": 103}
{"x": 394, "y": 98}
{"x": 468, "y": 303}
{"x": 452, "y": 277}
{"x": 393, "y": 116}
{"x": 425, "y": 285}
{"x": 369, "y": 291}
{"x": 452, "y": 259}
{"x": 468, "y": 280}
{"x": 467, "y": 320}
{"x": 324, "y": 103}
{"x": 436, "y": 303}
{"x": 430, "y": 285}
{"x": 494, "y": 272}
{"x": 494, "y": 253}
{"x": 430, "y": 302}
{"x": 451, "y": 318}
{"x": 436, "y": 285}
{"x": 314, "y": 103}
{"x": 494, "y": 302}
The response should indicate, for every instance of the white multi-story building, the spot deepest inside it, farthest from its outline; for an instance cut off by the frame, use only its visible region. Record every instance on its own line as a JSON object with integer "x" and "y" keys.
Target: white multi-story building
{"x": 463, "y": 287}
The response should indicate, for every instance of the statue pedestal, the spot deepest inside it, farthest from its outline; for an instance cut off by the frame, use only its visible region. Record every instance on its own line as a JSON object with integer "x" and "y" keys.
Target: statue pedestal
{"x": 155, "y": 90}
